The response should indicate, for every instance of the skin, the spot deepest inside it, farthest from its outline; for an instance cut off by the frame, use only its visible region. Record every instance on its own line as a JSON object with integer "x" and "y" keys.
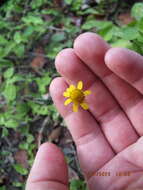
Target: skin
{"x": 108, "y": 136}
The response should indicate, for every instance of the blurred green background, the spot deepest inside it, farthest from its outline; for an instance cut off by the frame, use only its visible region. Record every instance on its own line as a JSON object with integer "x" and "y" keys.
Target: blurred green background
{"x": 32, "y": 32}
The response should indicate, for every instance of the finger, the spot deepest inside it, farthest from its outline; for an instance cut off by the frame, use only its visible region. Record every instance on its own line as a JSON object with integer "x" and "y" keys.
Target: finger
{"x": 107, "y": 112}
{"x": 46, "y": 171}
{"x": 125, "y": 170}
{"x": 128, "y": 66}
{"x": 125, "y": 94}
{"x": 85, "y": 131}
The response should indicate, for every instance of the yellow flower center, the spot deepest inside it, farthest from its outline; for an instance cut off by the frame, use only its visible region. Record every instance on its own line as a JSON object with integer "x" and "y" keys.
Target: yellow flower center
{"x": 77, "y": 95}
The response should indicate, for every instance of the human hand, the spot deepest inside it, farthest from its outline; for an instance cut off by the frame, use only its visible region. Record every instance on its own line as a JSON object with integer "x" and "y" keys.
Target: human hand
{"x": 109, "y": 136}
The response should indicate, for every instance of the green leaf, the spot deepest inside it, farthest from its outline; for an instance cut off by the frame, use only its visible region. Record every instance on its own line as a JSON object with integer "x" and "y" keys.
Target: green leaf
{"x": 15, "y": 78}
{"x": 58, "y": 37}
{"x": 43, "y": 82}
{"x": 89, "y": 11}
{"x": 10, "y": 92}
{"x": 137, "y": 46}
{"x": 38, "y": 3}
{"x": 107, "y": 33}
{"x": 17, "y": 184}
{"x": 24, "y": 146}
{"x": 11, "y": 123}
{"x": 4, "y": 132}
{"x": 17, "y": 37}
{"x": 20, "y": 169}
{"x": 43, "y": 110}
{"x": 30, "y": 138}
{"x": 137, "y": 11}
{"x": 5, "y": 62}
{"x": 4, "y": 25}
{"x": 19, "y": 50}
{"x": 53, "y": 50}
{"x": 22, "y": 108}
{"x": 122, "y": 43}
{"x": 29, "y": 31}
{"x": 53, "y": 111}
{"x": 39, "y": 109}
{"x": 89, "y": 24}
{"x": 68, "y": 2}
{"x": 5, "y": 153}
{"x": 77, "y": 184}
{"x": 2, "y": 119}
{"x": 140, "y": 38}
{"x": 30, "y": 19}
{"x": 3, "y": 40}
{"x": 140, "y": 24}
{"x": 3, "y": 188}
{"x": 127, "y": 33}
{"x": 76, "y": 5}
{"x": 5, "y": 51}
{"x": 9, "y": 73}
{"x": 54, "y": 12}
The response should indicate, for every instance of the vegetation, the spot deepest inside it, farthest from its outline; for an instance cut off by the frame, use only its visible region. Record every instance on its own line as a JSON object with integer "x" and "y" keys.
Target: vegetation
{"x": 31, "y": 34}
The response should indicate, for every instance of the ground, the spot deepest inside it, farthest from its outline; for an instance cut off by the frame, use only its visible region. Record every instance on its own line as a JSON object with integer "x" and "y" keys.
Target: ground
{"x": 31, "y": 34}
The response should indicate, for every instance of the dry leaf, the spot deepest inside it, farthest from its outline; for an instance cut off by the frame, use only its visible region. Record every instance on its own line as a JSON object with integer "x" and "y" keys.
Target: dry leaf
{"x": 72, "y": 174}
{"x": 55, "y": 134}
{"x": 21, "y": 158}
{"x": 125, "y": 18}
{"x": 39, "y": 61}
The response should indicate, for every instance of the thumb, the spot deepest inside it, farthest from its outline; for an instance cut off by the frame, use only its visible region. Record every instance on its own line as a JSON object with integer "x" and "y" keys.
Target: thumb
{"x": 49, "y": 170}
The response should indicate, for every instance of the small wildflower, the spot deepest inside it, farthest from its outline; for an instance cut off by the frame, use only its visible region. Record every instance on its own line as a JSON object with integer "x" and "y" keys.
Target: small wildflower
{"x": 77, "y": 96}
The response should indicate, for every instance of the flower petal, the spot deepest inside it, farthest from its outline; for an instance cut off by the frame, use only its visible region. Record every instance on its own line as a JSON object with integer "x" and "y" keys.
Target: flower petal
{"x": 66, "y": 94}
{"x": 72, "y": 87}
{"x": 68, "y": 90}
{"x": 87, "y": 92}
{"x": 80, "y": 85}
{"x": 68, "y": 101}
{"x": 84, "y": 105}
{"x": 75, "y": 107}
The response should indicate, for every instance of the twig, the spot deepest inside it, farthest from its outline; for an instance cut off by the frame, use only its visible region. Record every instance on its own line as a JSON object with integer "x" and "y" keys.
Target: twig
{"x": 56, "y": 29}
{"x": 38, "y": 54}
{"x": 7, "y": 141}
{"x": 29, "y": 54}
{"x": 40, "y": 135}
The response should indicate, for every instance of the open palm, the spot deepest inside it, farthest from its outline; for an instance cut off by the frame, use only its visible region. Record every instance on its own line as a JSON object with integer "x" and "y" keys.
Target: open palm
{"x": 108, "y": 136}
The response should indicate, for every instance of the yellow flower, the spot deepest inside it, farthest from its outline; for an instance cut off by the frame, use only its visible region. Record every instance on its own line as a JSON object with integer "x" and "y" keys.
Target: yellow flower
{"x": 77, "y": 96}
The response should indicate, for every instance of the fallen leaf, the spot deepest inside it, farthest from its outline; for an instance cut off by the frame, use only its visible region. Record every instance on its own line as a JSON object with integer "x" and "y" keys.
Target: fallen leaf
{"x": 39, "y": 61}
{"x": 55, "y": 134}
{"x": 66, "y": 138}
{"x": 58, "y": 3}
{"x": 21, "y": 158}
{"x": 125, "y": 18}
